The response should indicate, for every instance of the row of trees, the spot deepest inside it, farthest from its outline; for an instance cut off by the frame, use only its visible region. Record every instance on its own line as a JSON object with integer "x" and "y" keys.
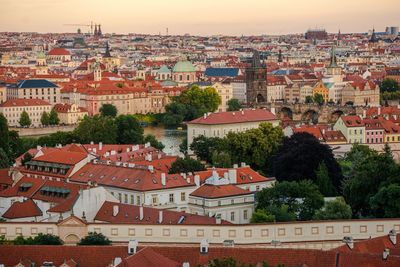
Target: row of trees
{"x": 92, "y": 239}
{"x": 390, "y": 89}
{"x": 46, "y": 119}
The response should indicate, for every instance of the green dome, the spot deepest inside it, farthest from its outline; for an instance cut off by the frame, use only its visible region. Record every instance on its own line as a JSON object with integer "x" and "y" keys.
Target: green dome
{"x": 164, "y": 69}
{"x": 41, "y": 55}
{"x": 183, "y": 66}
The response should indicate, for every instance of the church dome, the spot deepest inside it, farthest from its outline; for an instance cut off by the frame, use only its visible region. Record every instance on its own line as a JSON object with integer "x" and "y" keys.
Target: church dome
{"x": 183, "y": 66}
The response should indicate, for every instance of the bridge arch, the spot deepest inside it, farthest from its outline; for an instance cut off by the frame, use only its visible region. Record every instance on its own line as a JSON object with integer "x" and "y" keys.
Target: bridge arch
{"x": 260, "y": 98}
{"x": 286, "y": 112}
{"x": 310, "y": 116}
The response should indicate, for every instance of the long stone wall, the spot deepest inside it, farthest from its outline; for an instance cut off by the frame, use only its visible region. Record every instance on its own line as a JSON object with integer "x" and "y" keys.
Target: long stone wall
{"x": 313, "y": 234}
{"x": 42, "y": 131}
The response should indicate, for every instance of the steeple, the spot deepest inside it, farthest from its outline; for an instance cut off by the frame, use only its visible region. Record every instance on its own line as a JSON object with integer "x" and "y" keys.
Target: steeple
{"x": 99, "y": 31}
{"x": 373, "y": 39}
{"x": 107, "y": 53}
{"x": 339, "y": 38}
{"x": 333, "y": 63}
{"x": 95, "y": 30}
{"x": 280, "y": 56}
{"x": 255, "y": 62}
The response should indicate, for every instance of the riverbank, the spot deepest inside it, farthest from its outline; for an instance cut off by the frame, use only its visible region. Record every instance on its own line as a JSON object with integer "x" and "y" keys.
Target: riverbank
{"x": 42, "y": 131}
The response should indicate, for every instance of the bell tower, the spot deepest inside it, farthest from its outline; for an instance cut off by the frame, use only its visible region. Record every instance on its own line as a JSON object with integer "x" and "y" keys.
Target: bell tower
{"x": 256, "y": 80}
{"x": 41, "y": 64}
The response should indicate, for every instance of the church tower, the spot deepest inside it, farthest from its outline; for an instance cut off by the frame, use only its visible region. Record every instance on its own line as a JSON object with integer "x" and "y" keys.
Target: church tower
{"x": 334, "y": 70}
{"x": 97, "y": 72}
{"x": 256, "y": 81}
{"x": 41, "y": 64}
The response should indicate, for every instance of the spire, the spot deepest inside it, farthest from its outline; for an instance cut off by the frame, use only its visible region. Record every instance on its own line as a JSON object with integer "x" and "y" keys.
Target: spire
{"x": 99, "y": 31}
{"x": 333, "y": 63}
{"x": 373, "y": 39}
{"x": 280, "y": 56}
{"x": 95, "y": 30}
{"x": 107, "y": 53}
{"x": 255, "y": 62}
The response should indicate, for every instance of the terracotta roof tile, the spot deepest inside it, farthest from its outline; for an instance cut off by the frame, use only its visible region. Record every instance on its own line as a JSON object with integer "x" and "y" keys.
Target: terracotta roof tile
{"x": 247, "y": 115}
{"x": 219, "y": 191}
{"x": 25, "y": 209}
{"x": 147, "y": 257}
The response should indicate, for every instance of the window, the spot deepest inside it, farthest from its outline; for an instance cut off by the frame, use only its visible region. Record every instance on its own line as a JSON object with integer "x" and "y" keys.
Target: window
{"x": 120, "y": 197}
{"x": 219, "y": 203}
{"x": 126, "y": 198}
{"x": 154, "y": 199}
{"x": 232, "y": 216}
{"x": 132, "y": 199}
{"x": 138, "y": 200}
{"x": 183, "y": 196}
{"x": 245, "y": 215}
{"x": 171, "y": 198}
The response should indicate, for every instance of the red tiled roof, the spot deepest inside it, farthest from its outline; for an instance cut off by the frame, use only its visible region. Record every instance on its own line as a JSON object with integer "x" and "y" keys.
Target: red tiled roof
{"x": 5, "y": 179}
{"x": 247, "y": 115}
{"x": 352, "y": 121}
{"x": 23, "y": 209}
{"x": 373, "y": 246}
{"x": 147, "y": 257}
{"x": 65, "y": 108}
{"x": 19, "y": 102}
{"x": 34, "y": 183}
{"x": 62, "y": 157}
{"x": 59, "y": 52}
{"x": 219, "y": 191}
{"x": 130, "y": 214}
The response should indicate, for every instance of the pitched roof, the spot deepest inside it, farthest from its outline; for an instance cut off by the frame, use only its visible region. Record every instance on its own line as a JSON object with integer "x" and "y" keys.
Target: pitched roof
{"x": 36, "y": 83}
{"x": 219, "y": 191}
{"x": 222, "y": 72}
{"x": 130, "y": 214}
{"x": 19, "y": 102}
{"x": 352, "y": 121}
{"x": 246, "y": 115}
{"x": 5, "y": 178}
{"x": 147, "y": 257}
{"x": 59, "y": 52}
{"x": 62, "y": 157}
{"x": 24, "y": 209}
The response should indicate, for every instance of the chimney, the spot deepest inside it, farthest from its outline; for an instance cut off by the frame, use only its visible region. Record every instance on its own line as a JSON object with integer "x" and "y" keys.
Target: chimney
{"x": 127, "y": 149}
{"x": 132, "y": 246}
{"x": 151, "y": 168}
{"x": 226, "y": 175}
{"x": 379, "y": 110}
{"x": 349, "y": 241}
{"x": 364, "y": 114}
{"x": 205, "y": 116}
{"x": 141, "y": 213}
{"x": 101, "y": 146}
{"x": 323, "y": 131}
{"x": 188, "y": 180}
{"x": 94, "y": 150}
{"x": 163, "y": 179}
{"x": 235, "y": 166}
{"x": 146, "y": 145}
{"x": 197, "y": 180}
{"x": 91, "y": 142}
{"x": 393, "y": 236}
{"x": 243, "y": 164}
{"x": 242, "y": 111}
{"x": 385, "y": 254}
{"x": 215, "y": 174}
{"x": 115, "y": 210}
{"x": 38, "y": 147}
{"x": 232, "y": 176}
{"x": 186, "y": 264}
{"x": 204, "y": 246}
{"x": 273, "y": 111}
{"x": 160, "y": 216}
{"x": 117, "y": 261}
{"x": 218, "y": 219}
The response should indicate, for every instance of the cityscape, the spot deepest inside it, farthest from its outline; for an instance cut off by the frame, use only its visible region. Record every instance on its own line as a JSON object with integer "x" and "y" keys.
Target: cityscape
{"x": 257, "y": 134}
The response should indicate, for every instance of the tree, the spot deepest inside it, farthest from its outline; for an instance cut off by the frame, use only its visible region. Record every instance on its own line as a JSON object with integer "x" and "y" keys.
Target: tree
{"x": 108, "y": 110}
{"x": 221, "y": 159}
{"x": 203, "y": 147}
{"x": 389, "y": 85}
{"x": 309, "y": 99}
{"x": 300, "y": 156}
{"x": 24, "y": 119}
{"x": 286, "y": 199}
{"x": 255, "y": 146}
{"x": 186, "y": 165}
{"x": 27, "y": 157}
{"x": 149, "y": 138}
{"x": 319, "y": 99}
{"x": 334, "y": 210}
{"x": 386, "y": 203}
{"x": 94, "y": 239}
{"x": 129, "y": 130}
{"x": 365, "y": 172}
{"x": 261, "y": 216}
{"x": 323, "y": 181}
{"x": 62, "y": 138}
{"x": 53, "y": 118}
{"x": 4, "y": 140}
{"x": 233, "y": 104}
{"x": 97, "y": 129}
{"x": 45, "y": 119}
{"x": 4, "y": 159}
{"x": 47, "y": 239}
{"x": 183, "y": 147}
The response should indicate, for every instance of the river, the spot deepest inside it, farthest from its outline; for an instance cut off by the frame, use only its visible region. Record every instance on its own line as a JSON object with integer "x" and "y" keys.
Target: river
{"x": 171, "y": 138}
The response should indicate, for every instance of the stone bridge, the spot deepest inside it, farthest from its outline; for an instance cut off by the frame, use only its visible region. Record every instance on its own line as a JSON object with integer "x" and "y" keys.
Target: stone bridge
{"x": 312, "y": 112}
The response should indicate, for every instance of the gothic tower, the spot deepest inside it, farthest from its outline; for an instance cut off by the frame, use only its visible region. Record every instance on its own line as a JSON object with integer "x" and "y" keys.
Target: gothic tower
{"x": 256, "y": 81}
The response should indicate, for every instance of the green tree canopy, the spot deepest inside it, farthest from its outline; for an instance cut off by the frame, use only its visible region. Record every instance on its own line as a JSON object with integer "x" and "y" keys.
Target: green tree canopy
{"x": 27, "y": 157}
{"x": 334, "y": 210}
{"x": 53, "y": 118}
{"x": 4, "y": 140}
{"x": 45, "y": 119}
{"x": 186, "y": 165}
{"x": 149, "y": 138}
{"x": 318, "y": 98}
{"x": 323, "y": 180}
{"x": 365, "y": 172}
{"x": 108, "y": 110}
{"x": 233, "y": 104}
{"x": 94, "y": 239}
{"x": 97, "y": 129}
{"x": 389, "y": 85}
{"x": 203, "y": 147}
{"x": 4, "y": 159}
{"x": 386, "y": 202}
{"x": 221, "y": 159}
{"x": 24, "y": 119}
{"x": 261, "y": 216}
{"x": 299, "y": 158}
{"x": 301, "y": 198}
{"x": 129, "y": 130}
{"x": 309, "y": 99}
{"x": 47, "y": 239}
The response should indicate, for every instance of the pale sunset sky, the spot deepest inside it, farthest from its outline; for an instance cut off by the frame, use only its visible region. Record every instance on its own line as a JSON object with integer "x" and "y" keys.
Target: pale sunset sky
{"x": 204, "y": 17}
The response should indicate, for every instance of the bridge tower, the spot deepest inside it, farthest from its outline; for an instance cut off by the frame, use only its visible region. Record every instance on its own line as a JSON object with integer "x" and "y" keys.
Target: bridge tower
{"x": 256, "y": 81}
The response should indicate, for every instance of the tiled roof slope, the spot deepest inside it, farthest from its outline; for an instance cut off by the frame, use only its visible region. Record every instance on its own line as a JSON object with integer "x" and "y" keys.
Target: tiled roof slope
{"x": 247, "y": 115}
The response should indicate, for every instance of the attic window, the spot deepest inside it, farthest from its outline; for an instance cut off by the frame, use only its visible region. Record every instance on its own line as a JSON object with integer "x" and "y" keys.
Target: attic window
{"x": 137, "y": 181}
{"x": 126, "y": 180}
{"x": 91, "y": 175}
{"x": 25, "y": 187}
{"x": 154, "y": 181}
{"x": 113, "y": 178}
{"x": 102, "y": 176}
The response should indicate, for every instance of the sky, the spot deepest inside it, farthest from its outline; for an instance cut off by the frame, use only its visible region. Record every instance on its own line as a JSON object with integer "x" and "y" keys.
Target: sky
{"x": 204, "y": 17}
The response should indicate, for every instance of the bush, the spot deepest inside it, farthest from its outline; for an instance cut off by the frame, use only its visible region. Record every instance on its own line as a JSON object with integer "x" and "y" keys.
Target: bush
{"x": 94, "y": 239}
